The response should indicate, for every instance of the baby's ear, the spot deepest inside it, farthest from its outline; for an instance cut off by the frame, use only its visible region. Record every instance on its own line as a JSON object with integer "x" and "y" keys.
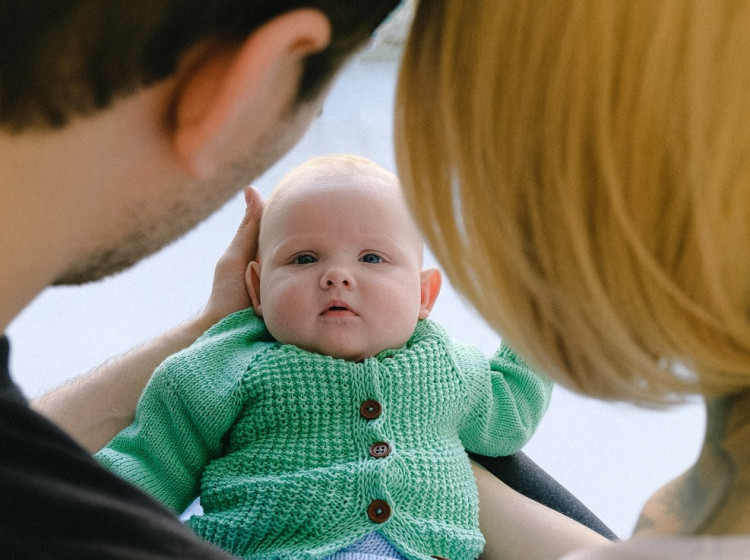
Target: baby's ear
{"x": 252, "y": 281}
{"x": 431, "y": 280}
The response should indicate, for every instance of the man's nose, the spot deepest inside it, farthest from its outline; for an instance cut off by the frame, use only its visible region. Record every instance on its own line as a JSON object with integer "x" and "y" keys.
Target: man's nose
{"x": 336, "y": 277}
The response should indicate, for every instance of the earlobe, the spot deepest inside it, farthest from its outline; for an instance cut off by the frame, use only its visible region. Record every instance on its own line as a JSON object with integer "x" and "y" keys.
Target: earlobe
{"x": 252, "y": 281}
{"x": 431, "y": 280}
{"x": 230, "y": 95}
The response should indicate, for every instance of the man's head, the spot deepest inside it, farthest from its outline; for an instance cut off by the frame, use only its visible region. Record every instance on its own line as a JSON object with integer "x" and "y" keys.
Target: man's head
{"x": 339, "y": 269}
{"x": 64, "y": 58}
{"x": 123, "y": 124}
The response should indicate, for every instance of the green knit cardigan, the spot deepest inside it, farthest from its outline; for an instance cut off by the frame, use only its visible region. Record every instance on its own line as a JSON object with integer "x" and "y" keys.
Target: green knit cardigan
{"x": 274, "y": 440}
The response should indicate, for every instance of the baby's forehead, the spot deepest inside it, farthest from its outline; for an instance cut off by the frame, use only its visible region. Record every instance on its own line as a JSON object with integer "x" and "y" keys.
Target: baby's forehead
{"x": 344, "y": 182}
{"x": 328, "y": 174}
{"x": 339, "y": 178}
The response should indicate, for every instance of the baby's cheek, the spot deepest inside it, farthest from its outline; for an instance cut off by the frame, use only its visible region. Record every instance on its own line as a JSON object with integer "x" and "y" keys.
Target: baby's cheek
{"x": 285, "y": 318}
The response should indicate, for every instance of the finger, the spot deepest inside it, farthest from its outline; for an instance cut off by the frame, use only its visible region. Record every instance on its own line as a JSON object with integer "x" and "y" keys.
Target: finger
{"x": 253, "y": 208}
{"x": 245, "y": 241}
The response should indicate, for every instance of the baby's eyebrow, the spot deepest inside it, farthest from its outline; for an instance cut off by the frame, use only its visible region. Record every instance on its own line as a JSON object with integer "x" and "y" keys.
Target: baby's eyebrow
{"x": 298, "y": 243}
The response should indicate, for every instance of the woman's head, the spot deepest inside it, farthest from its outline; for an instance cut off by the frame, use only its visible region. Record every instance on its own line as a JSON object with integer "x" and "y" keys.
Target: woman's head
{"x": 582, "y": 172}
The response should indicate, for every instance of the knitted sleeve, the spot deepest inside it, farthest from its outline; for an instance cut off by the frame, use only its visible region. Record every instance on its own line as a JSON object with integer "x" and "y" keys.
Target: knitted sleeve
{"x": 509, "y": 400}
{"x": 184, "y": 412}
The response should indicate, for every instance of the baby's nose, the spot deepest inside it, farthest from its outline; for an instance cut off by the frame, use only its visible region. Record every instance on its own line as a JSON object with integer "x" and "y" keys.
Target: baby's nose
{"x": 336, "y": 277}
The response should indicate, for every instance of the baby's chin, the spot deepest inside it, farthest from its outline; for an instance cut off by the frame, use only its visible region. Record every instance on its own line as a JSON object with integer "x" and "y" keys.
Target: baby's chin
{"x": 348, "y": 345}
{"x": 339, "y": 351}
{"x": 348, "y": 355}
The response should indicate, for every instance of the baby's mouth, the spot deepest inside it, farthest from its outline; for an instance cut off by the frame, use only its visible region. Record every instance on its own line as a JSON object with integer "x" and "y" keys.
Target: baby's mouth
{"x": 338, "y": 309}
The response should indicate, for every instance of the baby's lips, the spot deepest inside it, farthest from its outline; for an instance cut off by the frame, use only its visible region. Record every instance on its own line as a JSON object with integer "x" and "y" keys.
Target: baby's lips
{"x": 337, "y": 308}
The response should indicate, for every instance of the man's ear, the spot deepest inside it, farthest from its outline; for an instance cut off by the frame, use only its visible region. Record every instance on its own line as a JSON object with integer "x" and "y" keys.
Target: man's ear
{"x": 252, "y": 281}
{"x": 229, "y": 96}
{"x": 431, "y": 280}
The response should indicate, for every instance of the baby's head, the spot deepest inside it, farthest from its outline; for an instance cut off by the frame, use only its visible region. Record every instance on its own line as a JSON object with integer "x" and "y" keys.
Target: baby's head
{"x": 339, "y": 268}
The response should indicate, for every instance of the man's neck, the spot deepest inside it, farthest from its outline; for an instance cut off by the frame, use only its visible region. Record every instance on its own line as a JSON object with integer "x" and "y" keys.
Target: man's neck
{"x": 30, "y": 218}
{"x": 713, "y": 496}
{"x": 65, "y": 190}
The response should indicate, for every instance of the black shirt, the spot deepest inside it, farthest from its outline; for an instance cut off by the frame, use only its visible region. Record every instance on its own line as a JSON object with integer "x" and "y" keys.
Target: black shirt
{"x": 57, "y": 502}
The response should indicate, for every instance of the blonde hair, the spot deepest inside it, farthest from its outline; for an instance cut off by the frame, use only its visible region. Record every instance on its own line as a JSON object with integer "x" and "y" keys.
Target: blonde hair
{"x": 581, "y": 170}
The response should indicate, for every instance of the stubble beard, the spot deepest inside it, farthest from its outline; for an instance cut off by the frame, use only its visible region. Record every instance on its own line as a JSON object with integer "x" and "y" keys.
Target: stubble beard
{"x": 152, "y": 230}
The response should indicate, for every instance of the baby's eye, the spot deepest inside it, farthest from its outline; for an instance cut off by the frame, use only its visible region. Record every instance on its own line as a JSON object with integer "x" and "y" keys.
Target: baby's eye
{"x": 304, "y": 259}
{"x": 371, "y": 258}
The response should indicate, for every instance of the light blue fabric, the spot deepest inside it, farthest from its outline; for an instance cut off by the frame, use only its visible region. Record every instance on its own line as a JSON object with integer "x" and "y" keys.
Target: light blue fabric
{"x": 373, "y": 546}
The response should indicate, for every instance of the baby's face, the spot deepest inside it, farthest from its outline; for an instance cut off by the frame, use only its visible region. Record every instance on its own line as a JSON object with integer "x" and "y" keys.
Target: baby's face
{"x": 340, "y": 268}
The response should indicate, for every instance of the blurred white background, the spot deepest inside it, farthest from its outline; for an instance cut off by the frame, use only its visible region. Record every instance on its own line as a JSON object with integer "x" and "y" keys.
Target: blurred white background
{"x": 611, "y": 456}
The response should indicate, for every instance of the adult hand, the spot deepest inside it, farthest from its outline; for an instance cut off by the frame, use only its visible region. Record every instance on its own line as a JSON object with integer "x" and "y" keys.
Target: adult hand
{"x": 229, "y": 293}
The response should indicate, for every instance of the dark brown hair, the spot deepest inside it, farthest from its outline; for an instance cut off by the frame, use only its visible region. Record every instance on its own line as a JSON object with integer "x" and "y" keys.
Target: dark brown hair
{"x": 60, "y": 58}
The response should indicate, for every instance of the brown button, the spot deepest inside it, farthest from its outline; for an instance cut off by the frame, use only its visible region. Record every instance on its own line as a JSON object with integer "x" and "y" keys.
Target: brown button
{"x": 380, "y": 449}
{"x": 439, "y": 557}
{"x": 370, "y": 409}
{"x": 379, "y": 511}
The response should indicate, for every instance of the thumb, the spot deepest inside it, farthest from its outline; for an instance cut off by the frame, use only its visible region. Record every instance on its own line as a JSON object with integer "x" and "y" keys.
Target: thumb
{"x": 244, "y": 245}
{"x": 229, "y": 292}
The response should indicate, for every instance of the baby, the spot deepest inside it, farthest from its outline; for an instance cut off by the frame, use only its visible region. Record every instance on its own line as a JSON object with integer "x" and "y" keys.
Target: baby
{"x": 331, "y": 419}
